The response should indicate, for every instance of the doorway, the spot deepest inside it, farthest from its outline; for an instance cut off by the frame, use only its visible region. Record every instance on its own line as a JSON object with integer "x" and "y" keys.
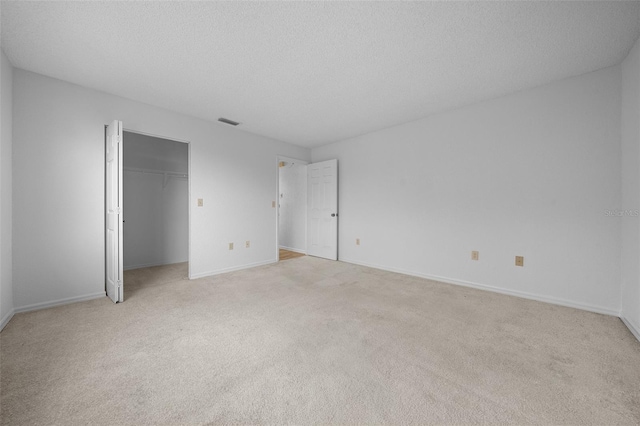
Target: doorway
{"x": 156, "y": 208}
{"x": 292, "y": 208}
{"x": 307, "y": 208}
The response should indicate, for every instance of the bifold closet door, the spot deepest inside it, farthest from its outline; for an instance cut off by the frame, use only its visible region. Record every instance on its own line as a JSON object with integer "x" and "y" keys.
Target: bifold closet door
{"x": 113, "y": 204}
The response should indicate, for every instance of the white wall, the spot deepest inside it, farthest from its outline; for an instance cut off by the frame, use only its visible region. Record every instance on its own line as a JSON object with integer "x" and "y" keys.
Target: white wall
{"x": 59, "y": 169}
{"x": 156, "y": 229}
{"x": 156, "y": 220}
{"x": 6, "y": 278}
{"x": 293, "y": 207}
{"x": 528, "y": 174}
{"x": 630, "y": 253}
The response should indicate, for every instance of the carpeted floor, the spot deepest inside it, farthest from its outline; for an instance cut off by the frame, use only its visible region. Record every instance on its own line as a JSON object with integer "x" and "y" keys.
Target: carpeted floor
{"x": 312, "y": 341}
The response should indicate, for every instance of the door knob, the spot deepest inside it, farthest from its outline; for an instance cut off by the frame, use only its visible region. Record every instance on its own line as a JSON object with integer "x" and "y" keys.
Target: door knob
{"x": 333, "y": 215}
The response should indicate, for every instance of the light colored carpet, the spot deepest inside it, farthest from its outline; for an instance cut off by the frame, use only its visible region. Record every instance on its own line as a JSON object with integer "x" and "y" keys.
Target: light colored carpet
{"x": 310, "y": 341}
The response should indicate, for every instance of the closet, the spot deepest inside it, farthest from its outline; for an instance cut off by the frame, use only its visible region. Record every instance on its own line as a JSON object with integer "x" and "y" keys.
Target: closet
{"x": 156, "y": 210}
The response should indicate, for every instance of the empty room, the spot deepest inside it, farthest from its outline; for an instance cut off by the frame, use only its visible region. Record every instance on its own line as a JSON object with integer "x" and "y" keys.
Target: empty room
{"x": 319, "y": 212}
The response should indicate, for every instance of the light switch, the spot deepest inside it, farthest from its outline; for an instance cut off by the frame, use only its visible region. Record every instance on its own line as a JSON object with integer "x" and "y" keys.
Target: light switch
{"x": 273, "y": 204}
{"x": 200, "y": 202}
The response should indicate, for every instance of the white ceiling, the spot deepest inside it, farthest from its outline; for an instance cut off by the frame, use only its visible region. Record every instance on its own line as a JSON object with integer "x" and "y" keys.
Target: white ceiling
{"x": 311, "y": 73}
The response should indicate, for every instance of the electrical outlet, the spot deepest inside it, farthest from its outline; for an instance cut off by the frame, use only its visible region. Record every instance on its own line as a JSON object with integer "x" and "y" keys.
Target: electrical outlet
{"x": 357, "y": 241}
{"x": 200, "y": 202}
{"x": 247, "y": 244}
{"x": 519, "y": 260}
{"x": 475, "y": 255}
{"x": 230, "y": 246}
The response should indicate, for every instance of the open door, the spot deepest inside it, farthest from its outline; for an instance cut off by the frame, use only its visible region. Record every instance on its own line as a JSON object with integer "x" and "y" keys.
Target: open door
{"x": 322, "y": 209}
{"x": 113, "y": 204}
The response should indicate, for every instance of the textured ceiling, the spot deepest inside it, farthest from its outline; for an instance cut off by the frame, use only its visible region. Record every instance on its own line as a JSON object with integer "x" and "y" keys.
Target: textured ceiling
{"x": 311, "y": 73}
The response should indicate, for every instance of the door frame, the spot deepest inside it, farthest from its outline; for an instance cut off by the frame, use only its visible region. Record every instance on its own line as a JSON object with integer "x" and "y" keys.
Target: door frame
{"x": 280, "y": 158}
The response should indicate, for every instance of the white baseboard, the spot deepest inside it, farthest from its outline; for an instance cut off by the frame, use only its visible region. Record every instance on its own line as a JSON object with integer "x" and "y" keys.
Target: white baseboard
{"x": 51, "y": 304}
{"x": 294, "y": 249}
{"x": 149, "y": 265}
{"x": 142, "y": 265}
{"x": 522, "y": 294}
{"x": 5, "y": 320}
{"x": 633, "y": 328}
{"x": 233, "y": 268}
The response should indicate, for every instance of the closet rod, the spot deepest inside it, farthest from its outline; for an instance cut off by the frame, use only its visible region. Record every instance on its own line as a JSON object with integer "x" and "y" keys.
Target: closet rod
{"x": 156, "y": 172}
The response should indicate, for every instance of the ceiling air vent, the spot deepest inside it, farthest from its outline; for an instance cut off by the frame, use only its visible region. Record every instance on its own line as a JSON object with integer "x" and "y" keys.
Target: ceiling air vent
{"x": 227, "y": 121}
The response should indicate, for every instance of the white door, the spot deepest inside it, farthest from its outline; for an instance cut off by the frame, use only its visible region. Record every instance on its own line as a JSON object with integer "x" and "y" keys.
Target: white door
{"x": 113, "y": 203}
{"x": 322, "y": 209}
